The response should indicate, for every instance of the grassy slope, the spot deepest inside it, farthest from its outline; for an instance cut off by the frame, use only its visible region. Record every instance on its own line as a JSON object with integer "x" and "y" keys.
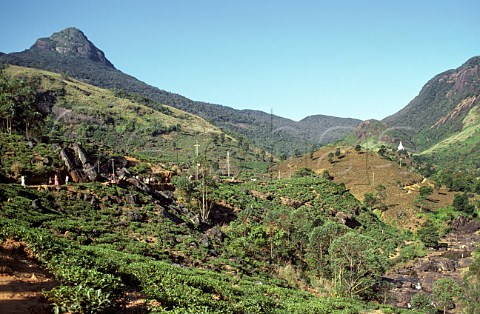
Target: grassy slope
{"x": 82, "y": 110}
{"x": 463, "y": 141}
{"x": 362, "y": 172}
{"x": 95, "y": 101}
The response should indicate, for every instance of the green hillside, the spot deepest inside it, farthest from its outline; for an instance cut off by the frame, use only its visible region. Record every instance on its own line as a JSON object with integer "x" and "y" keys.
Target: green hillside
{"x": 185, "y": 242}
{"x": 131, "y": 205}
{"x": 457, "y": 152}
{"x": 441, "y": 105}
{"x": 102, "y": 251}
{"x": 133, "y": 125}
{"x": 440, "y": 125}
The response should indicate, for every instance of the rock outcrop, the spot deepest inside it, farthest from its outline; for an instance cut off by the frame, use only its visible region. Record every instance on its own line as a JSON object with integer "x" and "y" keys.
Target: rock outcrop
{"x": 72, "y": 42}
{"x": 77, "y": 164}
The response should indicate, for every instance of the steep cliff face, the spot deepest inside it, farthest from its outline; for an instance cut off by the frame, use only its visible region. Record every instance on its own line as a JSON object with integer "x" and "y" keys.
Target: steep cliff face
{"x": 444, "y": 97}
{"x": 439, "y": 110}
{"x": 72, "y": 42}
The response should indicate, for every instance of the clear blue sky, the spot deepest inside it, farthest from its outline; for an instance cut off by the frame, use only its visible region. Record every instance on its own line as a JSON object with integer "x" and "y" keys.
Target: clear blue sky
{"x": 360, "y": 59}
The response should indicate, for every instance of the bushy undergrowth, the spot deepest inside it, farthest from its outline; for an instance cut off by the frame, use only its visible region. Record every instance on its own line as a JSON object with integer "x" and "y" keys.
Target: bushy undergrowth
{"x": 97, "y": 259}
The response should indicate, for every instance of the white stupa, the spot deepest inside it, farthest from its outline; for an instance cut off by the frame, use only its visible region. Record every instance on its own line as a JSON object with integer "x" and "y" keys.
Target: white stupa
{"x": 400, "y": 146}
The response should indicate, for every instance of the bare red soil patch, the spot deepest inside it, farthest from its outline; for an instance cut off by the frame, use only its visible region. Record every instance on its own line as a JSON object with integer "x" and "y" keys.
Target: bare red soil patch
{"x": 22, "y": 280}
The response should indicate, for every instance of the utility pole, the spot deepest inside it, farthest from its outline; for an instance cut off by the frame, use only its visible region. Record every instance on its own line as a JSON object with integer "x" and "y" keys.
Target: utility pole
{"x": 271, "y": 146}
{"x": 196, "y": 148}
{"x": 228, "y": 163}
{"x": 196, "y": 159}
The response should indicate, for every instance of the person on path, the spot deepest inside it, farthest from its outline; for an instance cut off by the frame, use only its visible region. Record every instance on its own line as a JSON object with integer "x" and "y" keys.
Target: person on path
{"x": 66, "y": 180}
{"x": 22, "y": 180}
{"x": 57, "y": 186}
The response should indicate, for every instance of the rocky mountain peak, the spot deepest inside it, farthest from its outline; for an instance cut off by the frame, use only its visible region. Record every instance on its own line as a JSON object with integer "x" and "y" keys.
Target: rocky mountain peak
{"x": 72, "y": 42}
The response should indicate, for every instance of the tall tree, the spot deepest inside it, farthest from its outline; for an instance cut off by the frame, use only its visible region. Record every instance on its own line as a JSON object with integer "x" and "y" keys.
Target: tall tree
{"x": 471, "y": 286}
{"x": 357, "y": 264}
{"x": 17, "y": 104}
{"x": 445, "y": 292}
{"x": 320, "y": 239}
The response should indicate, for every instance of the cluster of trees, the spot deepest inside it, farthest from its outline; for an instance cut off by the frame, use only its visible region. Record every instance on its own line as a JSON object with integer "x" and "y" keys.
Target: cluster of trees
{"x": 90, "y": 251}
{"x": 290, "y": 223}
{"x": 18, "y": 105}
{"x": 352, "y": 261}
{"x": 458, "y": 181}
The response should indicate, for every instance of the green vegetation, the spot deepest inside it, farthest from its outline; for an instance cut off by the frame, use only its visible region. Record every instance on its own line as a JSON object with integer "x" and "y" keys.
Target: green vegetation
{"x": 17, "y": 104}
{"x": 215, "y": 247}
{"x": 65, "y": 110}
{"x": 98, "y": 252}
{"x": 214, "y": 236}
{"x": 272, "y": 133}
{"x": 472, "y": 285}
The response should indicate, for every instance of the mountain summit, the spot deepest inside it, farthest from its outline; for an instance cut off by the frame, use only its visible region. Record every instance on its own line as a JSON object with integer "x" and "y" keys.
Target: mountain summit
{"x": 72, "y": 42}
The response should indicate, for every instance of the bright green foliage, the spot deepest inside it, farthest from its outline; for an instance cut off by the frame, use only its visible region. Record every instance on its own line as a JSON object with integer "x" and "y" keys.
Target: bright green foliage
{"x": 98, "y": 253}
{"x": 425, "y": 191}
{"x": 320, "y": 239}
{"x": 471, "y": 286}
{"x": 17, "y": 105}
{"x": 297, "y": 222}
{"x": 185, "y": 188}
{"x": 412, "y": 251}
{"x": 36, "y": 161}
{"x": 446, "y": 293}
{"x": 423, "y": 302}
{"x": 357, "y": 264}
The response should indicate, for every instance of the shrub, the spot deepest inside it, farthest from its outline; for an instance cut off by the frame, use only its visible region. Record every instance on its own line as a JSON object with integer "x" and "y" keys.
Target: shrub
{"x": 428, "y": 234}
{"x": 303, "y": 172}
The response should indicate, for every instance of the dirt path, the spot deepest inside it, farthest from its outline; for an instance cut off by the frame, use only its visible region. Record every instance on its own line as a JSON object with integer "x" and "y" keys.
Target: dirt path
{"x": 22, "y": 281}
